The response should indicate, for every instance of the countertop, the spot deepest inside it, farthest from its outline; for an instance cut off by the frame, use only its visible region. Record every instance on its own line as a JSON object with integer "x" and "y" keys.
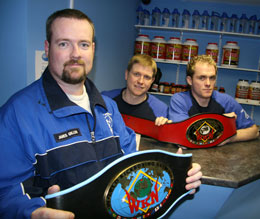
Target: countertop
{"x": 231, "y": 165}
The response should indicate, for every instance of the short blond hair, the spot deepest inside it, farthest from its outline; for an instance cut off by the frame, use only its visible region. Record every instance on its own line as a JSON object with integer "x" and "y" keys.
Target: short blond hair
{"x": 200, "y": 58}
{"x": 144, "y": 60}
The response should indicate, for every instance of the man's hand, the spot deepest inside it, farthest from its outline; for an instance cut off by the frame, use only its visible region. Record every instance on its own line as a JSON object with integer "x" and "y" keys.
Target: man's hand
{"x": 194, "y": 176}
{"x": 46, "y": 213}
{"x": 232, "y": 114}
{"x": 161, "y": 121}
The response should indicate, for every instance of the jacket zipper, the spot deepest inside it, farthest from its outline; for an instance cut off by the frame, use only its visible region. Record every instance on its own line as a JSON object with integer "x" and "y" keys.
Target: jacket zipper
{"x": 92, "y": 132}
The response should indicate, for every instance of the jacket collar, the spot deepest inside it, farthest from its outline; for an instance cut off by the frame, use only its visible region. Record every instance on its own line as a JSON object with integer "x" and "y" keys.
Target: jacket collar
{"x": 57, "y": 99}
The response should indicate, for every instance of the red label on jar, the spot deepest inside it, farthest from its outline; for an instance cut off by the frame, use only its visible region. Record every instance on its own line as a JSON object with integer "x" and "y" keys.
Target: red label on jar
{"x": 188, "y": 52}
{"x": 158, "y": 50}
{"x": 173, "y": 51}
{"x": 142, "y": 47}
{"x": 213, "y": 53}
{"x": 230, "y": 56}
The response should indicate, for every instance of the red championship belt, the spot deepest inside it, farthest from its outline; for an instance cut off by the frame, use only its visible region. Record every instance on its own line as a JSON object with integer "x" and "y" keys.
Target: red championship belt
{"x": 199, "y": 131}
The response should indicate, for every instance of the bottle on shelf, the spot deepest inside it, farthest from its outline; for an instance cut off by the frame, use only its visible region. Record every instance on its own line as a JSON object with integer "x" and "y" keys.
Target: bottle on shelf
{"x": 185, "y": 19}
{"x": 155, "y": 85}
{"x": 258, "y": 27}
{"x": 156, "y": 16}
{"x": 221, "y": 90}
{"x": 195, "y": 19}
{"x": 254, "y": 90}
{"x": 243, "y": 24}
{"x": 214, "y": 21}
{"x": 146, "y": 17}
{"x": 165, "y": 17}
{"x": 190, "y": 49}
{"x": 251, "y": 24}
{"x": 142, "y": 44}
{"x": 233, "y": 23}
{"x": 175, "y": 18}
{"x": 140, "y": 16}
{"x": 212, "y": 50}
{"x": 224, "y": 22}
{"x": 230, "y": 54}
{"x": 205, "y": 20}
{"x": 158, "y": 45}
{"x": 173, "y": 50}
{"x": 242, "y": 89}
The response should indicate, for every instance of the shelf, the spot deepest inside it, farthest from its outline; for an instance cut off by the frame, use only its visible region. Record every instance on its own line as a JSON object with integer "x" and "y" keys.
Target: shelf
{"x": 198, "y": 31}
{"x": 248, "y": 101}
{"x": 223, "y": 67}
{"x": 159, "y": 93}
{"x": 239, "y": 100}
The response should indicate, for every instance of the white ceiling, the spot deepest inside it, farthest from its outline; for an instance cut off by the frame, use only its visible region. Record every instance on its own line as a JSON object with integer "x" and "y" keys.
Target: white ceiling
{"x": 243, "y": 2}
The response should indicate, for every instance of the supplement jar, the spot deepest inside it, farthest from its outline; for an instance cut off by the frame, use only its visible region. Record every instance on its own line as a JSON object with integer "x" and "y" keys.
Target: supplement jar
{"x": 142, "y": 44}
{"x": 189, "y": 49}
{"x": 254, "y": 90}
{"x": 212, "y": 50}
{"x": 230, "y": 54}
{"x": 173, "y": 50}
{"x": 158, "y": 46}
{"x": 242, "y": 89}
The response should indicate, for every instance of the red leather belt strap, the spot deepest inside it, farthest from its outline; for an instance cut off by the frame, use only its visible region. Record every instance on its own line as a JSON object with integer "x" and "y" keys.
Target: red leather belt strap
{"x": 199, "y": 131}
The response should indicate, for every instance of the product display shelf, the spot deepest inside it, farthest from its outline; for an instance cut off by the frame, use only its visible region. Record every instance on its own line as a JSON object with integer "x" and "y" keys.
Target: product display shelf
{"x": 219, "y": 66}
{"x": 197, "y": 30}
{"x": 248, "y": 101}
{"x": 159, "y": 93}
{"x": 220, "y": 34}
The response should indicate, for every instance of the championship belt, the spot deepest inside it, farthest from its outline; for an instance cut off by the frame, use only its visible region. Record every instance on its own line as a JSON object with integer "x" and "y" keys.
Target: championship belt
{"x": 199, "y": 131}
{"x": 144, "y": 184}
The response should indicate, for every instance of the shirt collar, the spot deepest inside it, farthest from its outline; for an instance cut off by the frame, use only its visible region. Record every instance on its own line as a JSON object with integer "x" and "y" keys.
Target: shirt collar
{"x": 58, "y": 99}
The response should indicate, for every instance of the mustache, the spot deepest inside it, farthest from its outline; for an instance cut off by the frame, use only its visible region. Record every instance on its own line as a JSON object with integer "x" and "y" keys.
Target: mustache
{"x": 71, "y": 62}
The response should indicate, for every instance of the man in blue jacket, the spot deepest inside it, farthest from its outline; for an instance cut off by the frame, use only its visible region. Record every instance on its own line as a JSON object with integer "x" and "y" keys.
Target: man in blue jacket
{"x": 202, "y": 98}
{"x": 133, "y": 99}
{"x": 59, "y": 130}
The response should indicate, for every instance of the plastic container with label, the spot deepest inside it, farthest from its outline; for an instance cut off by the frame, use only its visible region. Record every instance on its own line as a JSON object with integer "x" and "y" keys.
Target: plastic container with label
{"x": 166, "y": 17}
{"x": 233, "y": 23}
{"x": 175, "y": 18}
{"x": 254, "y": 90}
{"x": 242, "y": 89}
{"x": 224, "y": 22}
{"x": 173, "y": 50}
{"x": 195, "y": 19}
{"x": 230, "y": 54}
{"x": 185, "y": 19}
{"x": 205, "y": 20}
{"x": 214, "y": 22}
{"x": 212, "y": 50}
{"x": 258, "y": 27}
{"x": 146, "y": 17}
{"x": 157, "y": 48}
{"x": 142, "y": 44}
{"x": 156, "y": 17}
{"x": 140, "y": 16}
{"x": 243, "y": 22}
{"x": 252, "y": 24}
{"x": 190, "y": 49}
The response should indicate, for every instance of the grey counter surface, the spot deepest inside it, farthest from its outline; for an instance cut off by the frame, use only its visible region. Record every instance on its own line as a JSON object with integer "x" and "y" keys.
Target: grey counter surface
{"x": 231, "y": 165}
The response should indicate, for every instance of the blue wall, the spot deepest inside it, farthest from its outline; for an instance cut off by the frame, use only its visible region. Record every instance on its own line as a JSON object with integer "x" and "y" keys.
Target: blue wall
{"x": 13, "y": 44}
{"x": 23, "y": 32}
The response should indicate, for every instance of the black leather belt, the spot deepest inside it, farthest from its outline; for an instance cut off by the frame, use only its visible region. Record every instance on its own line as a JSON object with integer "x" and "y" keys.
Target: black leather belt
{"x": 144, "y": 184}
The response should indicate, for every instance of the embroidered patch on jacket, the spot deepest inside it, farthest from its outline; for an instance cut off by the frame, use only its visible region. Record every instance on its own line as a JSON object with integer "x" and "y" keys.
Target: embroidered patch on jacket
{"x": 67, "y": 135}
{"x": 109, "y": 121}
